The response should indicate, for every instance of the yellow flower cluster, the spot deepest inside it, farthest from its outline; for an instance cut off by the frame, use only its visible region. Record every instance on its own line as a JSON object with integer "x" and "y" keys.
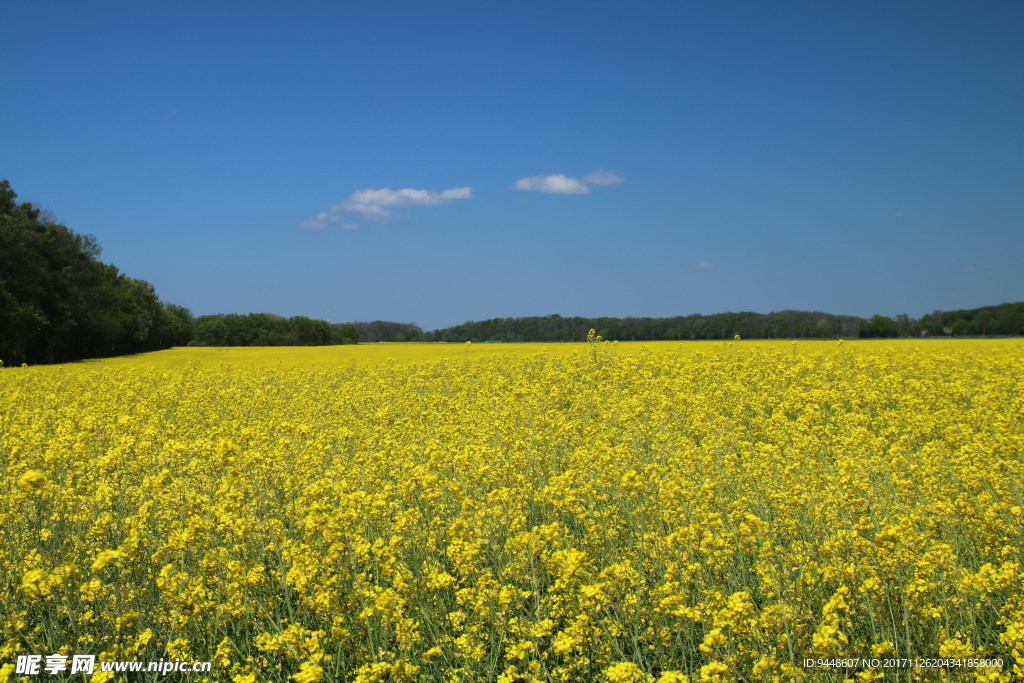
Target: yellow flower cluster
{"x": 589, "y": 512}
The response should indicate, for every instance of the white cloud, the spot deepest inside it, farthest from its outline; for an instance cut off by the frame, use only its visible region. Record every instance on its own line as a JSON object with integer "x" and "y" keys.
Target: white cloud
{"x": 378, "y": 204}
{"x": 555, "y": 184}
{"x": 559, "y": 183}
{"x": 603, "y": 178}
{"x": 319, "y": 221}
{"x": 704, "y": 265}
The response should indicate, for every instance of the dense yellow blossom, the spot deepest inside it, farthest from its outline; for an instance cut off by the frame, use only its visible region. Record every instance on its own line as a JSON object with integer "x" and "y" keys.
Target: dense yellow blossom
{"x": 714, "y": 511}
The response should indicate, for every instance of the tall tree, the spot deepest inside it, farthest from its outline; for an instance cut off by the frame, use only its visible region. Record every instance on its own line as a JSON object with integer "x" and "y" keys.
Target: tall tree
{"x": 59, "y": 302}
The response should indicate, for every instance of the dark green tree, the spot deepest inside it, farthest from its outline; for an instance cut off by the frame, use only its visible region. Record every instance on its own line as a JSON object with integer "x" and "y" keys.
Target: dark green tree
{"x": 59, "y": 302}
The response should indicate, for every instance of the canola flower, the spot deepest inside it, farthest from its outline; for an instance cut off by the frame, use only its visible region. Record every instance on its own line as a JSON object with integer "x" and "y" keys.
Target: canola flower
{"x": 32, "y": 481}
{"x": 660, "y": 512}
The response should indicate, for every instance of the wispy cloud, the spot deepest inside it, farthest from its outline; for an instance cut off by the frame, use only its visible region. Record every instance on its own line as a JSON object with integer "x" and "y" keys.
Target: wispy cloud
{"x": 984, "y": 271}
{"x": 555, "y": 184}
{"x": 704, "y": 265}
{"x": 322, "y": 219}
{"x": 603, "y": 178}
{"x": 559, "y": 183}
{"x": 378, "y": 204}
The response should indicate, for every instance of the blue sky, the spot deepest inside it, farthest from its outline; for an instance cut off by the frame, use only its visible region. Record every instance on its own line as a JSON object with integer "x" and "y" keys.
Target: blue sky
{"x": 451, "y": 161}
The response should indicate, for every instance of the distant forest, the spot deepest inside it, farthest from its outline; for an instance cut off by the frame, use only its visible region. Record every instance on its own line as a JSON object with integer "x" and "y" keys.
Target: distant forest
{"x": 59, "y": 303}
{"x": 1002, "y": 320}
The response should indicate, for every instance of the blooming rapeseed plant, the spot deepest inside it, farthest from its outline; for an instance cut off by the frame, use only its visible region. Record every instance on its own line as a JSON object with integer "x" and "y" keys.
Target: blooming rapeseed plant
{"x": 579, "y": 512}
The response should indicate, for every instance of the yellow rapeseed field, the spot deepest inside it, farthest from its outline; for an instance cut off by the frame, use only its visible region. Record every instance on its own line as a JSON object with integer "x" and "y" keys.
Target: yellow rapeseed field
{"x": 628, "y": 513}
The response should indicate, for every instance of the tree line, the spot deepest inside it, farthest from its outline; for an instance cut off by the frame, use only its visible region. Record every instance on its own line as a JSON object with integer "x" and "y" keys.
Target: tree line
{"x": 267, "y": 329}
{"x": 1002, "y": 320}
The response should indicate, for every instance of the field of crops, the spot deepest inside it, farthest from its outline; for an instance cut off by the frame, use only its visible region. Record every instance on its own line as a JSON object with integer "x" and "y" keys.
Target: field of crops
{"x": 580, "y": 512}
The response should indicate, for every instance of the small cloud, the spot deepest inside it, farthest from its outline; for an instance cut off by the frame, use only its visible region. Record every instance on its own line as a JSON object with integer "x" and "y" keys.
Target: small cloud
{"x": 970, "y": 269}
{"x": 899, "y": 214}
{"x": 554, "y": 184}
{"x": 319, "y": 221}
{"x": 704, "y": 265}
{"x": 603, "y": 178}
{"x": 559, "y": 183}
{"x": 378, "y": 204}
